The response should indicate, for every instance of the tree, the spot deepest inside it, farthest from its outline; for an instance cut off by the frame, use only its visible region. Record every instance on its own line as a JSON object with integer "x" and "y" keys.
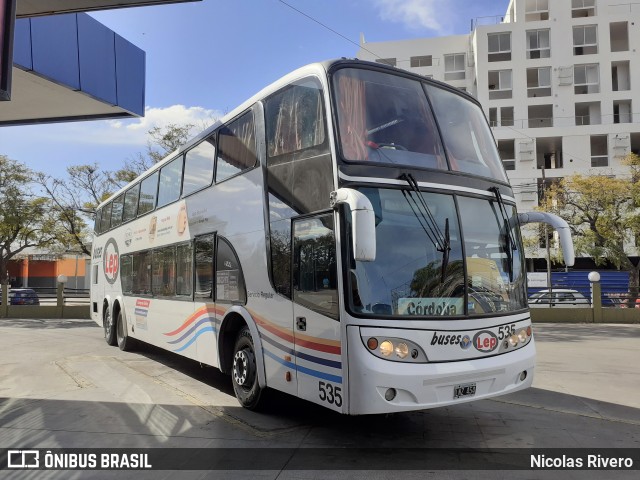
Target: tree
{"x": 25, "y": 219}
{"x": 603, "y": 214}
{"x": 74, "y": 199}
{"x": 163, "y": 141}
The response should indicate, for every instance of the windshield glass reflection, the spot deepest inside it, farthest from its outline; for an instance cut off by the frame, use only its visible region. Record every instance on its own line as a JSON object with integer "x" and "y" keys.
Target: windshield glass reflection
{"x": 413, "y": 275}
{"x": 386, "y": 119}
{"x": 407, "y": 277}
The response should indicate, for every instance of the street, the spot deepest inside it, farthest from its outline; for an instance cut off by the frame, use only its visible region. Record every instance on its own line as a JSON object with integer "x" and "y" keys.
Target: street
{"x": 62, "y": 386}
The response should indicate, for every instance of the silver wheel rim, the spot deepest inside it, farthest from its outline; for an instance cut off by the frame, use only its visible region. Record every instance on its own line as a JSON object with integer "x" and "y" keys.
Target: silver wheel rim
{"x": 240, "y": 368}
{"x": 107, "y": 324}
{"x": 120, "y": 332}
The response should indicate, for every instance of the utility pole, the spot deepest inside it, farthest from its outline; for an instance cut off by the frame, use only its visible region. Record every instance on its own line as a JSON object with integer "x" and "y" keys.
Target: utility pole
{"x": 546, "y": 237}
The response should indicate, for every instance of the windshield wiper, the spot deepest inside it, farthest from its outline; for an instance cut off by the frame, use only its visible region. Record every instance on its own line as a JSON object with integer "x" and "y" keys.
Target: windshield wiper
{"x": 441, "y": 241}
{"x": 510, "y": 244}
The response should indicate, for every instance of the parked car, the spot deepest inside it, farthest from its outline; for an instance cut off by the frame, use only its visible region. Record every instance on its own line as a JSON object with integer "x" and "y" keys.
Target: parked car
{"x": 559, "y": 297}
{"x": 22, "y": 296}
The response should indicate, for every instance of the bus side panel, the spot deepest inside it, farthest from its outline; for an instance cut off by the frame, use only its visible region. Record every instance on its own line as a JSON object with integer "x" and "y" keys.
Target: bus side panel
{"x": 164, "y": 323}
{"x": 204, "y": 327}
{"x": 273, "y": 315}
{"x": 97, "y": 294}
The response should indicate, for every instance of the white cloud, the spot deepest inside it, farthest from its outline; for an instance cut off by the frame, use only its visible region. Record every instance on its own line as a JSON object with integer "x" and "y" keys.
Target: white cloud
{"x": 127, "y": 132}
{"x": 161, "y": 117}
{"x": 415, "y": 14}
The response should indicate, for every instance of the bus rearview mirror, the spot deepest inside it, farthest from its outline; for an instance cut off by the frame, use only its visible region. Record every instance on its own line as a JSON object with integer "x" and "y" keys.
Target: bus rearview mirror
{"x": 363, "y": 222}
{"x": 560, "y": 226}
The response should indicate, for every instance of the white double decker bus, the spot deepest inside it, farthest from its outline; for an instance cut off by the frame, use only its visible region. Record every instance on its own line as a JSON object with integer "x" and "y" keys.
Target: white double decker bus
{"x": 347, "y": 236}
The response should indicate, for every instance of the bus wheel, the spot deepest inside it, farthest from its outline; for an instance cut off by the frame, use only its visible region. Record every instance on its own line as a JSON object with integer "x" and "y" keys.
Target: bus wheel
{"x": 125, "y": 342}
{"x": 244, "y": 374}
{"x": 109, "y": 327}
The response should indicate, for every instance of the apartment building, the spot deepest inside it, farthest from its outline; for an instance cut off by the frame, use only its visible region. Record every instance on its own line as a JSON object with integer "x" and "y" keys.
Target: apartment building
{"x": 558, "y": 80}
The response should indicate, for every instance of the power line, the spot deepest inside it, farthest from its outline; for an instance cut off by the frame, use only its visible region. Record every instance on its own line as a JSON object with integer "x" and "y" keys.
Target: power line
{"x": 328, "y": 28}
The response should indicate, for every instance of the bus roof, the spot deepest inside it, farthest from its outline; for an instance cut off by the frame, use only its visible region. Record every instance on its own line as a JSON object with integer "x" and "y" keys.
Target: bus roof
{"x": 317, "y": 68}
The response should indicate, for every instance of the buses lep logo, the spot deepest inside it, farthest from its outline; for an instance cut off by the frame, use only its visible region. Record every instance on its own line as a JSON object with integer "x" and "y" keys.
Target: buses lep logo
{"x": 110, "y": 261}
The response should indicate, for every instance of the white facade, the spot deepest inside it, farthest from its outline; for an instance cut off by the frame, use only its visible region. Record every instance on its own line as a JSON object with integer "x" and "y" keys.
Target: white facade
{"x": 558, "y": 80}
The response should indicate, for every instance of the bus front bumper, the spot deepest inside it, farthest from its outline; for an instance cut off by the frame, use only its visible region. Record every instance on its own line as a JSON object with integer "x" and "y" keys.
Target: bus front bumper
{"x": 420, "y": 386}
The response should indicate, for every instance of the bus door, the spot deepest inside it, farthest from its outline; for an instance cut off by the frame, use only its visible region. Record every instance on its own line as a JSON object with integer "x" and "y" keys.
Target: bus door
{"x": 205, "y": 319}
{"x": 316, "y": 323}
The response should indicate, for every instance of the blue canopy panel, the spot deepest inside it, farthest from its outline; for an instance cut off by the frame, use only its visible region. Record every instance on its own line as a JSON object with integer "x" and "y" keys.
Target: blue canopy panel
{"x": 71, "y": 67}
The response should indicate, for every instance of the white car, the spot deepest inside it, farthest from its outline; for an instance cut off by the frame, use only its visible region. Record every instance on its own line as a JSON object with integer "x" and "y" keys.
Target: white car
{"x": 559, "y": 297}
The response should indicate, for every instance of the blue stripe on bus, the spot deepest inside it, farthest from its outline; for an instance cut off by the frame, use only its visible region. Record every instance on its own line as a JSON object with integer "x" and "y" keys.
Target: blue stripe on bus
{"x": 308, "y": 371}
{"x": 304, "y": 356}
{"x": 198, "y": 333}
{"x": 191, "y": 330}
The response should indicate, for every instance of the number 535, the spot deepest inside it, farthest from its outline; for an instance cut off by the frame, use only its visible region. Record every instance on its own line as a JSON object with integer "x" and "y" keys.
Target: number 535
{"x": 330, "y": 393}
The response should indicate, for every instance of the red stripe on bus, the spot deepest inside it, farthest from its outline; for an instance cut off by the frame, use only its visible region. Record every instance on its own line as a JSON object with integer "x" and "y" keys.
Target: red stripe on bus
{"x": 329, "y": 346}
{"x": 191, "y": 319}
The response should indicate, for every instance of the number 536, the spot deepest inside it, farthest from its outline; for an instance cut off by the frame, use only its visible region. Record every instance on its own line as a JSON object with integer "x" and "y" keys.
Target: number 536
{"x": 330, "y": 394}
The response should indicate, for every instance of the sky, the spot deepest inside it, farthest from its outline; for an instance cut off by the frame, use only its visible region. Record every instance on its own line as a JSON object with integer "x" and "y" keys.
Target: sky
{"x": 206, "y": 57}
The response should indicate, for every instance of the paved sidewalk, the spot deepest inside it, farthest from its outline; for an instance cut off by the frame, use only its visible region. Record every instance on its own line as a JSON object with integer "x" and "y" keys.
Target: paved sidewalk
{"x": 62, "y": 386}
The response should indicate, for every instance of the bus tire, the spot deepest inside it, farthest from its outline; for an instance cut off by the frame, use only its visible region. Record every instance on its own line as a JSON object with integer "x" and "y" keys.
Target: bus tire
{"x": 244, "y": 371}
{"x": 125, "y": 342}
{"x": 109, "y": 327}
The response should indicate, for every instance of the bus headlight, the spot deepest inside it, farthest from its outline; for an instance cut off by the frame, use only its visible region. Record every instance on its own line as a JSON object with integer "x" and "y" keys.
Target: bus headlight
{"x": 522, "y": 336}
{"x": 402, "y": 350}
{"x": 386, "y": 348}
{"x": 395, "y": 349}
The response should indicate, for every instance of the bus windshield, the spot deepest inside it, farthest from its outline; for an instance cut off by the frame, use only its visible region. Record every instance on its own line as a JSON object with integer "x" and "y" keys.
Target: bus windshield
{"x": 387, "y": 118}
{"x": 424, "y": 267}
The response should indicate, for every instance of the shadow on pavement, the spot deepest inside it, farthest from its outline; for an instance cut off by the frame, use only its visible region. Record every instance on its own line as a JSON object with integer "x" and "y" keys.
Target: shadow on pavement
{"x": 579, "y": 332}
{"x": 46, "y": 323}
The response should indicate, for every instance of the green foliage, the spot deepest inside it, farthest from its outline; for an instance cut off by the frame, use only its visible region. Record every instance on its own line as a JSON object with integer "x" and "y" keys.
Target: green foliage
{"x": 162, "y": 142}
{"x": 73, "y": 200}
{"x": 26, "y": 220}
{"x": 603, "y": 214}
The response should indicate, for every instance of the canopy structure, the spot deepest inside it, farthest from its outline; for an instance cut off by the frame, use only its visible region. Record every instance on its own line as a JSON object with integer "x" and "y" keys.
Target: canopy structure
{"x": 31, "y": 8}
{"x": 68, "y": 66}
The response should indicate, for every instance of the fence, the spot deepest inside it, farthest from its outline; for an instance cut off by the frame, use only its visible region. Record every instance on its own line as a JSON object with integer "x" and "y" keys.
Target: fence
{"x": 573, "y": 298}
{"x": 44, "y": 302}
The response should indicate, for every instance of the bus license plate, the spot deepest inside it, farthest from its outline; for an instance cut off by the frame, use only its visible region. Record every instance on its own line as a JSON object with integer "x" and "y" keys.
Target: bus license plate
{"x": 466, "y": 390}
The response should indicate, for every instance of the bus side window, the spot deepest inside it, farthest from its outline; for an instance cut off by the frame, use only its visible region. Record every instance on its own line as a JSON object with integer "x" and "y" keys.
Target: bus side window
{"x": 299, "y": 171}
{"x": 116, "y": 210}
{"x": 229, "y": 278}
{"x": 163, "y": 283}
{"x": 141, "y": 274}
{"x": 148, "y": 192}
{"x": 170, "y": 182}
{"x": 204, "y": 266}
{"x": 105, "y": 221}
{"x": 236, "y": 147}
{"x": 184, "y": 270}
{"x": 298, "y": 156}
{"x": 198, "y": 166}
{"x": 126, "y": 275}
{"x": 315, "y": 280}
{"x": 131, "y": 203}
{"x": 97, "y": 224}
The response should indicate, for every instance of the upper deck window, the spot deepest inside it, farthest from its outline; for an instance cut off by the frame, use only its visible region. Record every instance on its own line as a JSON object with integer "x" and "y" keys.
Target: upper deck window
{"x": 148, "y": 192}
{"x": 170, "y": 180}
{"x": 467, "y": 137}
{"x": 386, "y": 118}
{"x": 236, "y": 147}
{"x": 198, "y": 167}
